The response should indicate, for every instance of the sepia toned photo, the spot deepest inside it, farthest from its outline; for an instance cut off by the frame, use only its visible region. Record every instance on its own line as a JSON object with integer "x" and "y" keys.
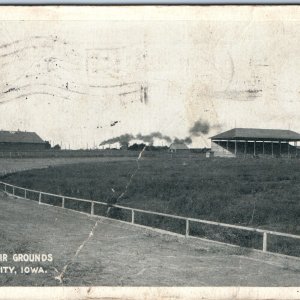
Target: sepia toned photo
{"x": 150, "y": 147}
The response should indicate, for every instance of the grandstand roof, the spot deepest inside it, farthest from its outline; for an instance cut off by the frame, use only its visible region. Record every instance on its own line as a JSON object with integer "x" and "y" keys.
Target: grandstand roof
{"x": 258, "y": 134}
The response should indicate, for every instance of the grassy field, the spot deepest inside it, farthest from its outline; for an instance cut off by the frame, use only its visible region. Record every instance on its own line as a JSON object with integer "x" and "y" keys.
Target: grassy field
{"x": 252, "y": 192}
{"x": 13, "y": 165}
{"x": 81, "y": 153}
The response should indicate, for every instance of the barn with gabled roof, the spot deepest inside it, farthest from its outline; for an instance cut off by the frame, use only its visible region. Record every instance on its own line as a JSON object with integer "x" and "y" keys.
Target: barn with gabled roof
{"x": 20, "y": 141}
{"x": 255, "y": 142}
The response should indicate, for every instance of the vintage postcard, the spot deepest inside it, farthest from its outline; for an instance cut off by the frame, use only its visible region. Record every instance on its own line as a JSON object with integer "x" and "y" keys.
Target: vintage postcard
{"x": 150, "y": 152}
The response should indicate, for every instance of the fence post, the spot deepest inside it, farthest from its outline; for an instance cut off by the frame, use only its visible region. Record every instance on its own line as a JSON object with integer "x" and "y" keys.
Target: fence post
{"x": 40, "y": 198}
{"x": 265, "y": 241}
{"x": 5, "y": 187}
{"x": 187, "y": 228}
{"x": 132, "y": 216}
{"x": 13, "y": 190}
{"x": 25, "y": 193}
{"x": 92, "y": 208}
{"x": 63, "y": 202}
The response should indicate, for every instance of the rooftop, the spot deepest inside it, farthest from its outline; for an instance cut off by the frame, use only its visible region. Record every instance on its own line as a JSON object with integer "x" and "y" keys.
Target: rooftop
{"x": 258, "y": 134}
{"x": 20, "y": 137}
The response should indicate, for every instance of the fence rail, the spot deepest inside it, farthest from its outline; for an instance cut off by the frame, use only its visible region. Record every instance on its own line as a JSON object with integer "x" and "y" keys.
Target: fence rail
{"x": 91, "y": 210}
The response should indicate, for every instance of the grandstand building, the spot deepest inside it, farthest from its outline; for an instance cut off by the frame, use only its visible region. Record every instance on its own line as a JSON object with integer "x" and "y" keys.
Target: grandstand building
{"x": 239, "y": 142}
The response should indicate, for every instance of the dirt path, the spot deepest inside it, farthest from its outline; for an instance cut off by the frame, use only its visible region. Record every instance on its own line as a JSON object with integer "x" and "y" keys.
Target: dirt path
{"x": 122, "y": 254}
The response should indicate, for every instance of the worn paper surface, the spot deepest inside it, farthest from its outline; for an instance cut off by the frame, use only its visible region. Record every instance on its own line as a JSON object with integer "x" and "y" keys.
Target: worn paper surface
{"x": 87, "y": 77}
{"x": 232, "y": 66}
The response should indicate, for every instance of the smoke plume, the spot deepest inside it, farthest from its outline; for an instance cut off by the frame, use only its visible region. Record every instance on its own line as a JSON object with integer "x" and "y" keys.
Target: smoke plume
{"x": 123, "y": 139}
{"x": 199, "y": 127}
{"x": 186, "y": 140}
{"x": 149, "y": 138}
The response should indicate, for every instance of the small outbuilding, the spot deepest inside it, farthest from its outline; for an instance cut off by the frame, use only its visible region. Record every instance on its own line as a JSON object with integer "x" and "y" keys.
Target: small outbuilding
{"x": 20, "y": 141}
{"x": 255, "y": 142}
{"x": 179, "y": 147}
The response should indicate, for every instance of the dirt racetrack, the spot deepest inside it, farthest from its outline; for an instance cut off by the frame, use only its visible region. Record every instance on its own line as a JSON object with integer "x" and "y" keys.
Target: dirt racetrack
{"x": 119, "y": 254}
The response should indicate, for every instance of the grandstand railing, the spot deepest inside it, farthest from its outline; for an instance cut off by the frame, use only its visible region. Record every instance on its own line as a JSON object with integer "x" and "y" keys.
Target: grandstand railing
{"x": 61, "y": 200}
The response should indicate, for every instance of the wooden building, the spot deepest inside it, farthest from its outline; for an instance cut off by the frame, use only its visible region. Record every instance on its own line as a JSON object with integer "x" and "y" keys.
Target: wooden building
{"x": 21, "y": 141}
{"x": 179, "y": 147}
{"x": 239, "y": 142}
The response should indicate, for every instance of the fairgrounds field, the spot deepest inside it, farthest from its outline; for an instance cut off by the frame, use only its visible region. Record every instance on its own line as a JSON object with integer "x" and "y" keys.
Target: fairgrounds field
{"x": 261, "y": 193}
{"x": 252, "y": 192}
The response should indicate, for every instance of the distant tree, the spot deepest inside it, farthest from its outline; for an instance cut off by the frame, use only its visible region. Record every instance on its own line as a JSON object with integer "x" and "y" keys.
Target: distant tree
{"x": 136, "y": 147}
{"x": 150, "y": 148}
{"x": 56, "y": 147}
{"x": 156, "y": 148}
{"x": 162, "y": 148}
{"x": 47, "y": 145}
{"x": 124, "y": 145}
{"x": 140, "y": 147}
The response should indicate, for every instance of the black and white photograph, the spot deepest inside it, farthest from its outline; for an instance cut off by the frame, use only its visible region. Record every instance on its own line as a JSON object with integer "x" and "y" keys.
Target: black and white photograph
{"x": 150, "y": 146}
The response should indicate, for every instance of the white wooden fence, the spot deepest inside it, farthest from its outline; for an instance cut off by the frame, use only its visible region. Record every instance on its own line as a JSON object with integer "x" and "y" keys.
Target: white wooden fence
{"x": 265, "y": 233}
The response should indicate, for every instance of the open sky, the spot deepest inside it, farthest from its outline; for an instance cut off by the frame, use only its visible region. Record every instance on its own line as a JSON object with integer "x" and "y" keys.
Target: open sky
{"x": 69, "y": 75}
